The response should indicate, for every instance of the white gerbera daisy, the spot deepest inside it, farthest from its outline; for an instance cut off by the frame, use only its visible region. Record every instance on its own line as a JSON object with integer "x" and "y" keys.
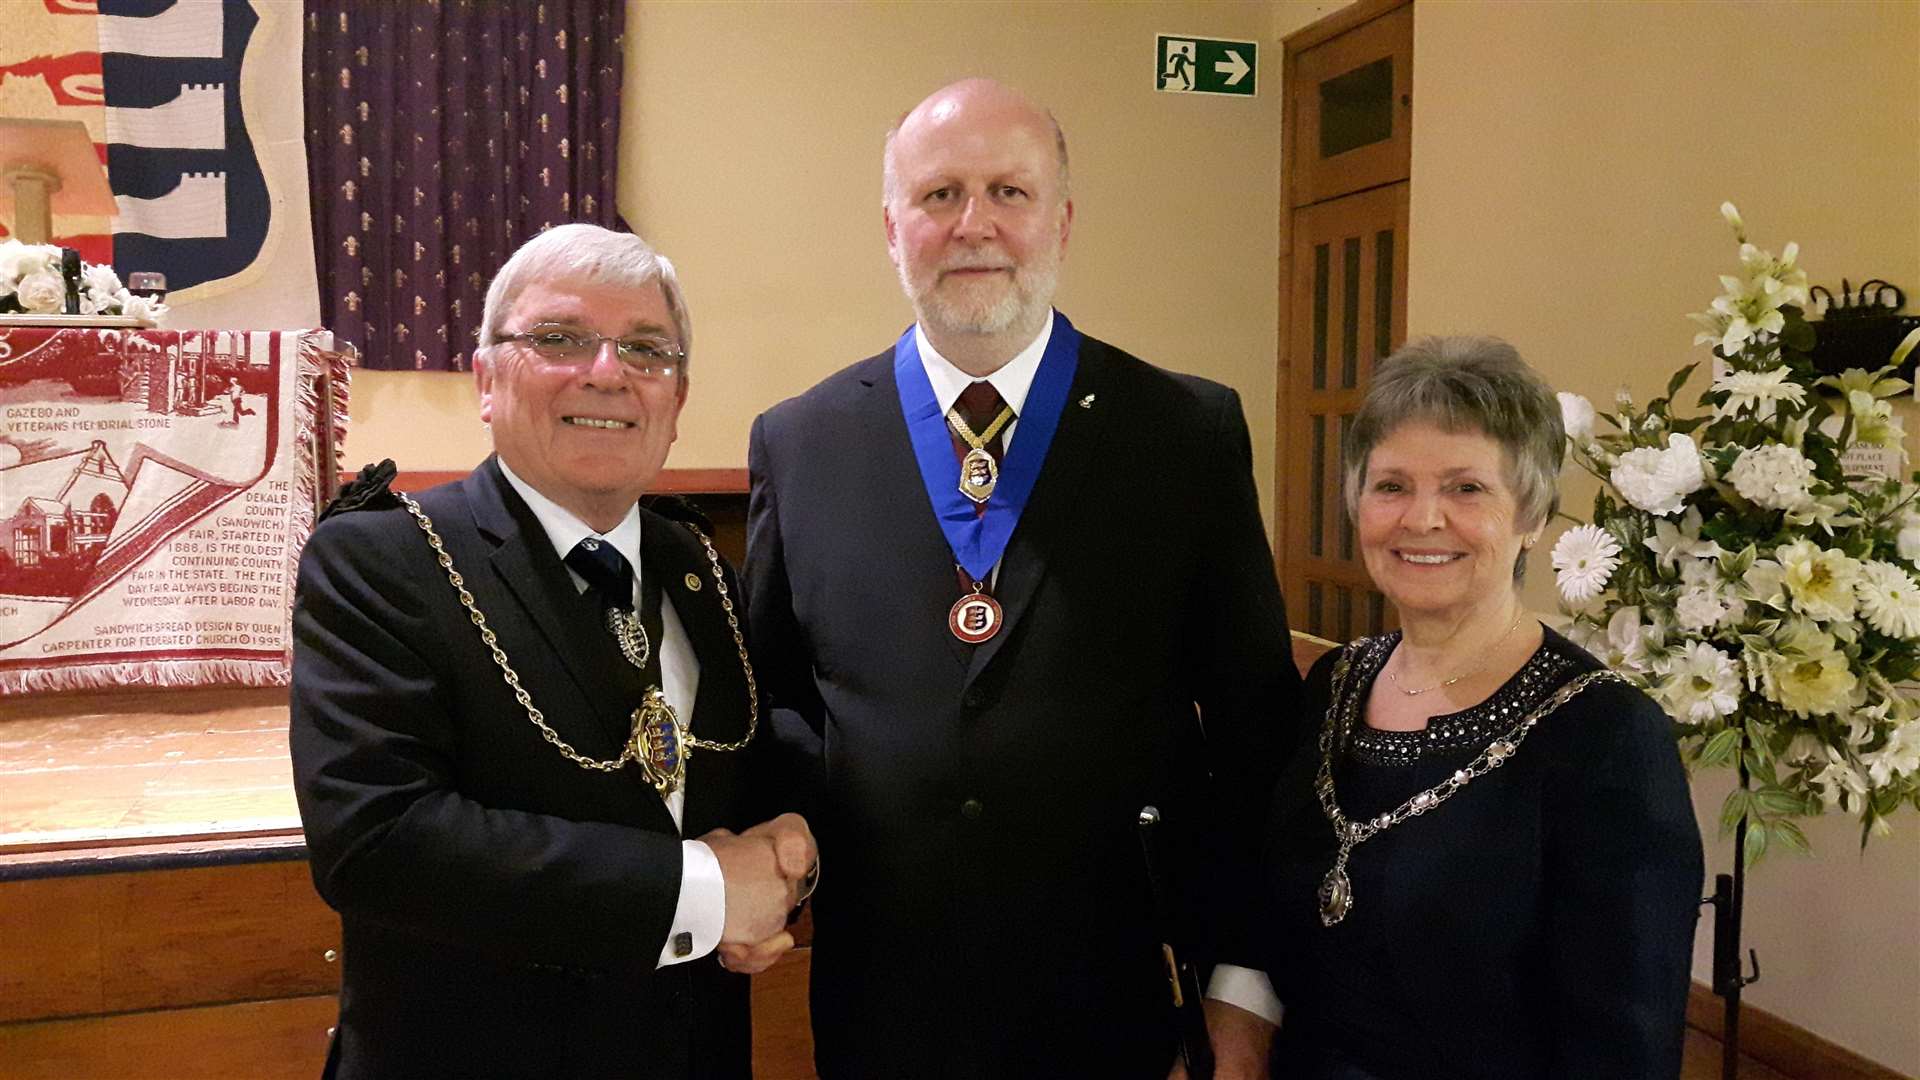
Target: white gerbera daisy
{"x": 1583, "y": 560}
{"x": 1701, "y": 683}
{"x": 1889, "y": 599}
{"x": 1764, "y": 390}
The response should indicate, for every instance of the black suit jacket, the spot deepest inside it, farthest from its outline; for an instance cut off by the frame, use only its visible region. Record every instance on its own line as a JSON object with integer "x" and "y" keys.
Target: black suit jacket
{"x": 984, "y": 910}
{"x": 502, "y": 908}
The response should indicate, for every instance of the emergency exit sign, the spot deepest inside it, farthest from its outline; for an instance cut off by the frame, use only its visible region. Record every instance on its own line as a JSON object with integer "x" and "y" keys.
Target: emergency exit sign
{"x": 1197, "y": 65}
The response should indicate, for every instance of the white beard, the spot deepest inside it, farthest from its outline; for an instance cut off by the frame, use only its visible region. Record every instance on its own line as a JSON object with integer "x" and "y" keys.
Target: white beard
{"x": 985, "y": 307}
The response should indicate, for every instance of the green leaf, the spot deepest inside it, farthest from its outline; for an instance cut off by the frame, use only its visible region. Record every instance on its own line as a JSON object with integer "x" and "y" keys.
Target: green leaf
{"x": 1736, "y": 807}
{"x": 1788, "y": 835}
{"x": 1780, "y": 802}
{"x": 1756, "y": 842}
{"x": 1680, "y": 378}
{"x": 1907, "y": 345}
{"x": 1720, "y": 749}
{"x": 1736, "y": 564}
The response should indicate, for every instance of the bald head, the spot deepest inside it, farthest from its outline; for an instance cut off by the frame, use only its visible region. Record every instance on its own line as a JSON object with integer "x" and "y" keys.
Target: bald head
{"x": 976, "y": 106}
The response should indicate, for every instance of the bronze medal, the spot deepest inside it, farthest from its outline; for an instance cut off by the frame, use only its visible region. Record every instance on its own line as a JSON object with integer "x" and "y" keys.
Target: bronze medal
{"x": 974, "y": 618}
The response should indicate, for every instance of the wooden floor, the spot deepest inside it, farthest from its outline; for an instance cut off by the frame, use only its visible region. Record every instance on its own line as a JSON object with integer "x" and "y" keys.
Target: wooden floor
{"x": 1702, "y": 1061}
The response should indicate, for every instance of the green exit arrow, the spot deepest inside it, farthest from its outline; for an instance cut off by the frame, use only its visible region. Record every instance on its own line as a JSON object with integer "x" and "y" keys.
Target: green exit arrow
{"x": 1195, "y": 65}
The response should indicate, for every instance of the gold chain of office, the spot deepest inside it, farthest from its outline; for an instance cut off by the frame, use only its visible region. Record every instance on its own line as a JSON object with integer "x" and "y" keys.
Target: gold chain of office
{"x": 1336, "y": 889}
{"x": 632, "y": 750}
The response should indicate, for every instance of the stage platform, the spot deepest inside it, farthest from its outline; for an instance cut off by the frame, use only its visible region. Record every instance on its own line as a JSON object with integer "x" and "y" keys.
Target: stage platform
{"x": 123, "y": 779}
{"x": 159, "y": 918}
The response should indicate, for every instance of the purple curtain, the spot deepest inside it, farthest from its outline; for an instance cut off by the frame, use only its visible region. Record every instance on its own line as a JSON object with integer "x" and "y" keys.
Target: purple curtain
{"x": 440, "y": 136}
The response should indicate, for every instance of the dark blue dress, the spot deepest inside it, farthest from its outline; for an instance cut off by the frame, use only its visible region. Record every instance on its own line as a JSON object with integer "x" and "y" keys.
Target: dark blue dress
{"x": 1538, "y": 923}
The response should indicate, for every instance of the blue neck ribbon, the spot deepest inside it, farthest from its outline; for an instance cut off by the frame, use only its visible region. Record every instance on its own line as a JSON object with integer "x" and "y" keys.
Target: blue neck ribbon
{"x": 979, "y": 540}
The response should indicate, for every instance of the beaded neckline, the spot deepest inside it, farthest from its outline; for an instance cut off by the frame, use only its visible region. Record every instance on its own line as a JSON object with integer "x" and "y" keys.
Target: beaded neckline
{"x": 1467, "y": 731}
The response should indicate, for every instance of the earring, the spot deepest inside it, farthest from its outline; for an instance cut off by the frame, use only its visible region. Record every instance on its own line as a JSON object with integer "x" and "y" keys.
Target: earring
{"x": 1529, "y": 542}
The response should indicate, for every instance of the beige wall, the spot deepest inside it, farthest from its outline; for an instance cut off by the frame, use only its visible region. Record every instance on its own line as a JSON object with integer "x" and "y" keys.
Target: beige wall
{"x": 1568, "y": 162}
{"x": 750, "y": 154}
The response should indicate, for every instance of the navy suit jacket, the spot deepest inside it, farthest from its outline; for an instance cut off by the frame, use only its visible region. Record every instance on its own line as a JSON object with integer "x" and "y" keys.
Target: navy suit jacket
{"x": 502, "y": 909}
{"x": 985, "y": 910}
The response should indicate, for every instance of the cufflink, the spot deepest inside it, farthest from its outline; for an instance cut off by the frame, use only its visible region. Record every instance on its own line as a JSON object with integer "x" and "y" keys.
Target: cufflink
{"x": 683, "y": 944}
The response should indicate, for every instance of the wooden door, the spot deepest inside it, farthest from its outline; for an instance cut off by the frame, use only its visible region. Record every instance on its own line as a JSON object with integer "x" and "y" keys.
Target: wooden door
{"x": 1349, "y": 311}
{"x": 1343, "y": 303}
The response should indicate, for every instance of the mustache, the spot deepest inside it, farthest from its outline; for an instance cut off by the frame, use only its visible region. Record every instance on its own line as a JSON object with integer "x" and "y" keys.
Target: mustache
{"x": 977, "y": 262}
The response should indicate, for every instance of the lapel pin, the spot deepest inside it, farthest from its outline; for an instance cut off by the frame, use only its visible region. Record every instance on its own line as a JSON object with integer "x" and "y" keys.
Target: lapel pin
{"x": 1087, "y": 402}
{"x": 693, "y": 583}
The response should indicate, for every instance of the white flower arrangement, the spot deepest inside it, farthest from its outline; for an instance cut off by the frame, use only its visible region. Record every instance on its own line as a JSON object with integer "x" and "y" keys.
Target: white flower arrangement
{"x": 30, "y": 282}
{"x": 1737, "y": 572}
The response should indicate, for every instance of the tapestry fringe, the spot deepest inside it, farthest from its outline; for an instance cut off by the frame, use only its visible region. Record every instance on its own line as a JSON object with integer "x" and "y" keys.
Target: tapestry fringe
{"x": 145, "y": 674}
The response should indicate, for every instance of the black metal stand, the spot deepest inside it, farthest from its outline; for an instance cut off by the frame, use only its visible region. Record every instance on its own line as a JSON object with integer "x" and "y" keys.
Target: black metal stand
{"x": 1729, "y": 895}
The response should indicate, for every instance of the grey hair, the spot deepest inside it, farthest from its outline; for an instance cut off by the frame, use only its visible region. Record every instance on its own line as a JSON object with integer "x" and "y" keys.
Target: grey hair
{"x": 890, "y": 180}
{"x": 1466, "y": 384}
{"x": 587, "y": 253}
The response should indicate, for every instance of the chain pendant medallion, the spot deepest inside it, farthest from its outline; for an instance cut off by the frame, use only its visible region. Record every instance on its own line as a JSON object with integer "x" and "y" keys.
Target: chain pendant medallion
{"x": 658, "y": 743}
{"x": 1336, "y": 889}
{"x": 979, "y": 475}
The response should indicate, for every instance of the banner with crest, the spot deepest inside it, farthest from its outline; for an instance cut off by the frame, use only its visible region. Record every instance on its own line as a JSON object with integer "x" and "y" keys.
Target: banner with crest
{"x": 156, "y": 487}
{"x": 159, "y": 85}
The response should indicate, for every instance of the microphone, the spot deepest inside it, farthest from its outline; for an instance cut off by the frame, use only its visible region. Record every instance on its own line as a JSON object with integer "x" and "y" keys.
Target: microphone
{"x": 1190, "y": 1019}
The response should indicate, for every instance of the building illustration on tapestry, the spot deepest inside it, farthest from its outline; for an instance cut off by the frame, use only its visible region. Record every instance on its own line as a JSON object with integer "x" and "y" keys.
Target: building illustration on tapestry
{"x": 112, "y": 442}
{"x": 62, "y": 511}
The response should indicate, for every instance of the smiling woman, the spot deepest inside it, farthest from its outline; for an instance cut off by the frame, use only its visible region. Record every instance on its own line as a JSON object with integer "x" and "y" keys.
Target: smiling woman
{"x": 1500, "y": 815}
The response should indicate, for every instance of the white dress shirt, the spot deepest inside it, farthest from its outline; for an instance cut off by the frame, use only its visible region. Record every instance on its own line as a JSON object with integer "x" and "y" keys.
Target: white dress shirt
{"x": 1013, "y": 380}
{"x": 1245, "y": 987}
{"x": 702, "y": 907}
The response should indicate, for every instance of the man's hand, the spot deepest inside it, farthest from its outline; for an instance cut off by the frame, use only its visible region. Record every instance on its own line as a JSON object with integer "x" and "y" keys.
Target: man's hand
{"x": 758, "y": 895}
{"x": 1241, "y": 1042}
{"x": 793, "y": 845}
{"x": 754, "y": 959}
{"x": 763, "y": 869}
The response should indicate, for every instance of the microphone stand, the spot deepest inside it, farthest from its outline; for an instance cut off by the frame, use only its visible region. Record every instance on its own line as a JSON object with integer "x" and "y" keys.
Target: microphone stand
{"x": 1190, "y": 1018}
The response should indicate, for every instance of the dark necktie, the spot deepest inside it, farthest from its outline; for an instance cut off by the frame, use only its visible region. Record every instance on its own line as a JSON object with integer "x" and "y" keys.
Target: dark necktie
{"x": 980, "y": 405}
{"x": 609, "y": 578}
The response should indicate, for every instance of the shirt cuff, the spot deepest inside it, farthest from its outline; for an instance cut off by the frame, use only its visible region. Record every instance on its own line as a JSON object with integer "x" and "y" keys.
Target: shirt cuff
{"x": 701, "y": 913}
{"x": 1249, "y": 989}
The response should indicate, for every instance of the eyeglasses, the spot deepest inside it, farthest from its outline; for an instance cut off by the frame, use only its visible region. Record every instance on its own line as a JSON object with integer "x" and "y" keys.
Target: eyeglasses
{"x": 647, "y": 357}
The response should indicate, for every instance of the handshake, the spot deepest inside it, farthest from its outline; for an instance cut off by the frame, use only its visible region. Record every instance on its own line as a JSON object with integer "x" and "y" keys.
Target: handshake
{"x": 769, "y": 871}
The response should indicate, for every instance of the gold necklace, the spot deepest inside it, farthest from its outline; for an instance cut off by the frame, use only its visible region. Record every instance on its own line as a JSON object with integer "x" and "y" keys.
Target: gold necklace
{"x": 659, "y": 741}
{"x": 1492, "y": 651}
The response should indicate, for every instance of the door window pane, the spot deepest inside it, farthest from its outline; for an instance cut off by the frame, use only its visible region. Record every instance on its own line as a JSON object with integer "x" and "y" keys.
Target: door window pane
{"x": 1356, "y": 109}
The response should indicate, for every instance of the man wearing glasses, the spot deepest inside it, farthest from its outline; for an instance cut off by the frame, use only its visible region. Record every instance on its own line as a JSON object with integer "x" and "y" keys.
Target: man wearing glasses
{"x": 518, "y": 701}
